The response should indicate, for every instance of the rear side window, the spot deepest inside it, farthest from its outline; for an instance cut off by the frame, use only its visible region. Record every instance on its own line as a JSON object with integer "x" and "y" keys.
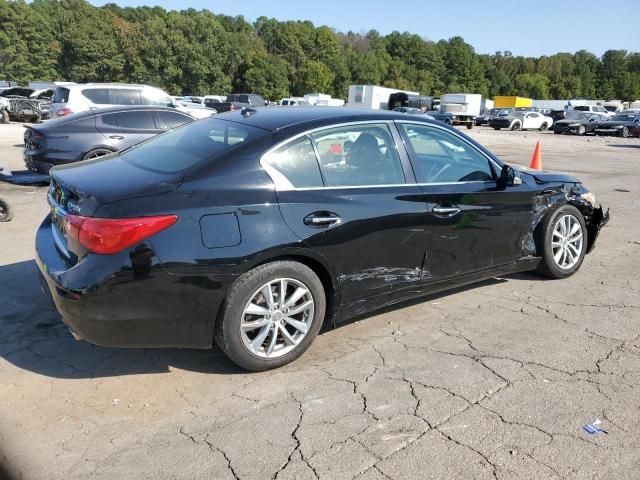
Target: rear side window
{"x": 192, "y": 144}
{"x": 61, "y": 95}
{"x": 169, "y": 120}
{"x": 127, "y": 97}
{"x": 99, "y": 96}
{"x": 441, "y": 157}
{"x": 297, "y": 162}
{"x": 136, "y": 120}
{"x": 582, "y": 108}
{"x": 109, "y": 119}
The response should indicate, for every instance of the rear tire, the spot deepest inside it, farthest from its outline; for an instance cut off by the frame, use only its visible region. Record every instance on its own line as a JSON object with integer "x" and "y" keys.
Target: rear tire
{"x": 624, "y": 133}
{"x": 516, "y": 126}
{"x": 250, "y": 347}
{"x": 561, "y": 240}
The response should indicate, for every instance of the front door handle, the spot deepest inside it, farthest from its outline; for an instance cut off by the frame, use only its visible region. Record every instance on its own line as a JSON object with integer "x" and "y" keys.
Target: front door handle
{"x": 321, "y": 219}
{"x": 445, "y": 210}
{"x": 116, "y": 137}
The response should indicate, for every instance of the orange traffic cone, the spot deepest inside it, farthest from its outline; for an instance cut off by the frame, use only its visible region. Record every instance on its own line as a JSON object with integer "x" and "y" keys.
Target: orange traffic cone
{"x": 536, "y": 160}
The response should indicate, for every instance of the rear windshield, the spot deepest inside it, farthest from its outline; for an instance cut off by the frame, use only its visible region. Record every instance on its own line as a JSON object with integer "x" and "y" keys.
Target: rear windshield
{"x": 61, "y": 95}
{"x": 194, "y": 143}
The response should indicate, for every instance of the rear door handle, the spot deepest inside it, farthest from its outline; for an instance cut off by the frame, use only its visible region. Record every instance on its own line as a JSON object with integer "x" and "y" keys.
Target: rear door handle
{"x": 321, "y": 219}
{"x": 116, "y": 137}
{"x": 445, "y": 210}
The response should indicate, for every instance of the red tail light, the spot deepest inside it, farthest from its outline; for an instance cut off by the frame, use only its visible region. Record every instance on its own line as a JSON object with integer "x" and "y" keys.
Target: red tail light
{"x": 107, "y": 236}
{"x": 64, "y": 112}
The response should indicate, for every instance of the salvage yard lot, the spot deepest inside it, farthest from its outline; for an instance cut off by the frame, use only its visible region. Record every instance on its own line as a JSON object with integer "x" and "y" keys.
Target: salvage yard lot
{"x": 491, "y": 381}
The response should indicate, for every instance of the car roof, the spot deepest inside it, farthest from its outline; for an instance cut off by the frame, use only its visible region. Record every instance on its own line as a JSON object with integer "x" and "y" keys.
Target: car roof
{"x": 280, "y": 118}
{"x": 121, "y": 108}
{"x": 109, "y": 85}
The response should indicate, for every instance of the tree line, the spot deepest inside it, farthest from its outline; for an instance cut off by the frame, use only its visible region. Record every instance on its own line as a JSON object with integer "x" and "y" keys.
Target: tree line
{"x": 198, "y": 52}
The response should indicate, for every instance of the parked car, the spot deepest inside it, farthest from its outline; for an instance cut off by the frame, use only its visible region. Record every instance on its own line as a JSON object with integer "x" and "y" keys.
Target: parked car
{"x": 623, "y": 124}
{"x": 238, "y": 101}
{"x": 522, "y": 121}
{"x": 95, "y": 133}
{"x": 578, "y": 123}
{"x": 409, "y": 110}
{"x": 253, "y": 229}
{"x": 484, "y": 118}
{"x": 76, "y": 98}
{"x": 213, "y": 102}
{"x": 594, "y": 109}
{"x": 294, "y": 102}
{"x": 25, "y": 104}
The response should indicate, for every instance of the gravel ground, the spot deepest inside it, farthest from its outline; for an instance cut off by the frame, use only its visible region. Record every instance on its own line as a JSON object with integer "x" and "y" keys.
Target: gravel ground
{"x": 490, "y": 381}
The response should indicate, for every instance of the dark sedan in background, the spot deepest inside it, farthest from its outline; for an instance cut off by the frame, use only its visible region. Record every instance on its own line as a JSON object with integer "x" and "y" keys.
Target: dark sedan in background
{"x": 95, "y": 133}
{"x": 254, "y": 228}
{"x": 578, "y": 123}
{"x": 622, "y": 124}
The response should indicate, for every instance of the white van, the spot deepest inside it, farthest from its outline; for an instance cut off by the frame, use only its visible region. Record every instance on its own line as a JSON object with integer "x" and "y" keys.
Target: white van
{"x": 69, "y": 99}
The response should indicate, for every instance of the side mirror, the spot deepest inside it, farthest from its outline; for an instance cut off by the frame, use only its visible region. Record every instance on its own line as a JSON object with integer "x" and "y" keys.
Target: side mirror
{"x": 509, "y": 176}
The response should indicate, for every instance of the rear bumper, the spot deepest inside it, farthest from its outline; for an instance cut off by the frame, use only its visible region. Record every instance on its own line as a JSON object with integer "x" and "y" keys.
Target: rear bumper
{"x": 122, "y": 301}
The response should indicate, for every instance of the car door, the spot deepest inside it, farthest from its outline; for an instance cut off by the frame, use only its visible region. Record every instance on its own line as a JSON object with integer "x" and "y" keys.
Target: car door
{"x": 472, "y": 223}
{"x": 126, "y": 128}
{"x": 349, "y": 194}
{"x": 531, "y": 120}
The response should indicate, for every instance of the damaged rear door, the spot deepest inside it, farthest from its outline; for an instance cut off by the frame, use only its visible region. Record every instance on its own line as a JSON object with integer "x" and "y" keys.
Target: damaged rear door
{"x": 358, "y": 207}
{"x": 473, "y": 224}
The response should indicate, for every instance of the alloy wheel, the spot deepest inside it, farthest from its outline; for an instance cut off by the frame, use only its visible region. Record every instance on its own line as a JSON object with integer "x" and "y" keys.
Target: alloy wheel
{"x": 582, "y": 130}
{"x": 567, "y": 241}
{"x": 277, "y": 317}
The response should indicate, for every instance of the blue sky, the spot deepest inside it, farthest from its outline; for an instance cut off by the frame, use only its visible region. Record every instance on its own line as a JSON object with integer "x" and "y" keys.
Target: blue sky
{"x": 530, "y": 28}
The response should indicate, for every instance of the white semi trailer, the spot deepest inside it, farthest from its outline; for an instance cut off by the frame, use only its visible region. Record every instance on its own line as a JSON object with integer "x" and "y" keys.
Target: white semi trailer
{"x": 464, "y": 107}
{"x": 371, "y": 96}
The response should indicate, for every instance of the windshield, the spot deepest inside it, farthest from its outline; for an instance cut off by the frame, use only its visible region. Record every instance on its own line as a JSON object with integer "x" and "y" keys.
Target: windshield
{"x": 628, "y": 117}
{"x": 194, "y": 143}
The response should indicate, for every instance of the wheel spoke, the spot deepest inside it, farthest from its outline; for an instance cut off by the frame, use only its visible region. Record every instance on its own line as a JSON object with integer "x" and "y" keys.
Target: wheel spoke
{"x": 556, "y": 244}
{"x": 574, "y": 251}
{"x": 256, "y": 342}
{"x": 272, "y": 343}
{"x": 254, "y": 309}
{"x": 267, "y": 293}
{"x": 289, "y": 340}
{"x": 558, "y": 255}
{"x": 574, "y": 228}
{"x": 297, "y": 324}
{"x": 297, "y": 295}
{"x": 283, "y": 291}
{"x": 576, "y": 237}
{"x": 255, "y": 324}
{"x": 300, "y": 308}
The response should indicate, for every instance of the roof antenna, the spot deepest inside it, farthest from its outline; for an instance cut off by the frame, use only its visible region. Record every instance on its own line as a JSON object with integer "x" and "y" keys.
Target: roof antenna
{"x": 247, "y": 112}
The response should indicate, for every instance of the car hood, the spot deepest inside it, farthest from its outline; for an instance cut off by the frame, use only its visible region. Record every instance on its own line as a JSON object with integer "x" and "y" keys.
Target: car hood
{"x": 541, "y": 177}
{"x": 569, "y": 122}
{"x": 93, "y": 183}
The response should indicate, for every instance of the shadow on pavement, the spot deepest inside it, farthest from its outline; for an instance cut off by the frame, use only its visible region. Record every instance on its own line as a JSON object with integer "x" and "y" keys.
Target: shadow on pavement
{"x": 32, "y": 336}
{"x": 626, "y": 145}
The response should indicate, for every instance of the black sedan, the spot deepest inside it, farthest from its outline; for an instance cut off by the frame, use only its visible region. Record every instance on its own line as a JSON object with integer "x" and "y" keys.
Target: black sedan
{"x": 95, "y": 133}
{"x": 622, "y": 124}
{"x": 254, "y": 228}
{"x": 578, "y": 123}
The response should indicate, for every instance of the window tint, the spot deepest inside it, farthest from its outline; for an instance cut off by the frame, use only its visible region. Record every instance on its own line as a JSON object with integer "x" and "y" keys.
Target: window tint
{"x": 359, "y": 155}
{"x": 297, "y": 162}
{"x": 61, "y": 95}
{"x": 170, "y": 120}
{"x": 99, "y": 96}
{"x": 211, "y": 103}
{"x": 441, "y": 157}
{"x": 109, "y": 119}
{"x": 197, "y": 142}
{"x": 136, "y": 120}
{"x": 127, "y": 97}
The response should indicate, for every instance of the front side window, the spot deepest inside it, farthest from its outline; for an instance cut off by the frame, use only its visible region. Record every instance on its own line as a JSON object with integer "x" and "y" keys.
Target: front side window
{"x": 442, "y": 157}
{"x": 296, "y": 162}
{"x": 359, "y": 155}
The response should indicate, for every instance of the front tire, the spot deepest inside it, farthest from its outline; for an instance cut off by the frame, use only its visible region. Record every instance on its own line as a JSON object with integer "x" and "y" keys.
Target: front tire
{"x": 271, "y": 315}
{"x": 562, "y": 241}
{"x": 516, "y": 126}
{"x": 543, "y": 127}
{"x": 625, "y": 132}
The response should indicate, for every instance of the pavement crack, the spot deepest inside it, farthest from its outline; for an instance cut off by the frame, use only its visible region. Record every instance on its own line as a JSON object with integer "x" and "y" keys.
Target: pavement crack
{"x": 469, "y": 447}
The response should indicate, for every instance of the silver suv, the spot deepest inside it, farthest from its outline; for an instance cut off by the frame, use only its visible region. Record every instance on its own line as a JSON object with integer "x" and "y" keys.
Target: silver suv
{"x": 81, "y": 97}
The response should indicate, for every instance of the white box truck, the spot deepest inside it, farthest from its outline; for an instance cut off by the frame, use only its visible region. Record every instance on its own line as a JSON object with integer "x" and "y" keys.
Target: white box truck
{"x": 464, "y": 107}
{"x": 371, "y": 96}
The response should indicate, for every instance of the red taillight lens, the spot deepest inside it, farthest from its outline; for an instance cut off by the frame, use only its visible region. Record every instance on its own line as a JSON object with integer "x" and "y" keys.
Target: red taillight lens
{"x": 64, "y": 112}
{"x": 107, "y": 236}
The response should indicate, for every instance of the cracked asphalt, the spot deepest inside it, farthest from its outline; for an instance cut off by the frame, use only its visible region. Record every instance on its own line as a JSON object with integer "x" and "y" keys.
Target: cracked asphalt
{"x": 495, "y": 380}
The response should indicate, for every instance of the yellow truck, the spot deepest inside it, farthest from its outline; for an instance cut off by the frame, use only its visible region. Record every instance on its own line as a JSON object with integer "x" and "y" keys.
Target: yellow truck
{"x": 511, "y": 102}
